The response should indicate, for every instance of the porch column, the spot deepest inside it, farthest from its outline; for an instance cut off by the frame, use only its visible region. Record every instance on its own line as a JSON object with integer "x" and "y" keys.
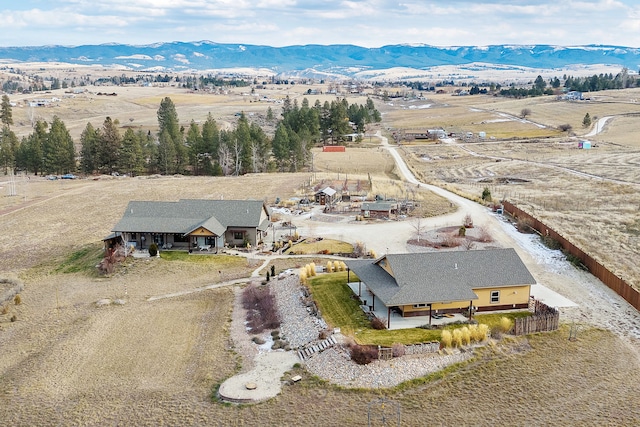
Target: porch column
{"x": 348, "y": 274}
{"x": 373, "y": 302}
{"x": 359, "y": 288}
{"x": 388, "y": 317}
{"x": 429, "y": 314}
{"x": 470, "y": 310}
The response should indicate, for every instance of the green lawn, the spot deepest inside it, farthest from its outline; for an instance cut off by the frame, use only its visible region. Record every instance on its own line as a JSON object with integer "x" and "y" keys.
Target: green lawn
{"x": 338, "y": 307}
{"x": 217, "y": 260}
{"x": 321, "y": 246}
{"x": 335, "y": 301}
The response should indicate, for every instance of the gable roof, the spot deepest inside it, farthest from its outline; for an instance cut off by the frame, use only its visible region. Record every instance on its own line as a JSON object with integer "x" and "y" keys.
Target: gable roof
{"x": 186, "y": 215}
{"x": 327, "y": 191}
{"x": 376, "y": 206}
{"x": 401, "y": 279}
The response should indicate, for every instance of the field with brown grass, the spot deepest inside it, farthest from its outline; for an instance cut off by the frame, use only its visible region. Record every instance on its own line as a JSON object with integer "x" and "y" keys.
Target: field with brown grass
{"x": 67, "y": 361}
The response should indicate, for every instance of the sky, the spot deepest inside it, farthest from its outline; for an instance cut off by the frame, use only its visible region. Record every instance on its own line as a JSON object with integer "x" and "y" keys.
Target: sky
{"x": 367, "y": 23}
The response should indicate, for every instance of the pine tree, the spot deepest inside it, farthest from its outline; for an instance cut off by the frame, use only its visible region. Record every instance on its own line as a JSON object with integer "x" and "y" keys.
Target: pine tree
{"x": 586, "y": 122}
{"x": 6, "y": 113}
{"x": 130, "y": 159}
{"x": 168, "y": 122}
{"x": 210, "y": 143}
{"x": 8, "y": 149}
{"x": 108, "y": 147}
{"x": 89, "y": 141}
{"x": 58, "y": 151}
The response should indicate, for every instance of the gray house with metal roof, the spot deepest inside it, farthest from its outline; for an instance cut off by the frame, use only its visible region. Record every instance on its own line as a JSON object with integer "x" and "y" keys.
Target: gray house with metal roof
{"x": 430, "y": 283}
{"x": 194, "y": 224}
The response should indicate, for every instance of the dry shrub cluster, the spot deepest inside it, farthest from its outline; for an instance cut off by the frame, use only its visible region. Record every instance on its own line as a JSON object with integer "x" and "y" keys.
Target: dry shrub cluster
{"x": 363, "y": 354}
{"x": 464, "y": 336}
{"x": 378, "y": 323}
{"x": 262, "y": 311}
{"x": 309, "y": 270}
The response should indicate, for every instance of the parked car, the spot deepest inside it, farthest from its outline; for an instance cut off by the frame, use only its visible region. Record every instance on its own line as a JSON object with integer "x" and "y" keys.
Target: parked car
{"x": 68, "y": 176}
{"x": 52, "y": 177}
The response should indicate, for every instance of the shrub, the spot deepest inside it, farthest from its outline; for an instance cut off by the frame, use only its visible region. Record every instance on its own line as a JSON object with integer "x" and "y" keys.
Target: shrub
{"x": 312, "y": 268}
{"x": 486, "y": 194}
{"x": 462, "y": 231}
{"x": 466, "y": 335}
{"x": 4, "y": 310}
{"x": 153, "y": 249}
{"x": 550, "y": 242}
{"x": 343, "y": 266}
{"x": 505, "y": 324}
{"x": 262, "y": 312}
{"x": 363, "y": 354}
{"x": 273, "y": 270}
{"x": 484, "y": 236}
{"x": 524, "y": 225}
{"x": 17, "y": 299}
{"x": 303, "y": 276}
{"x": 329, "y": 267}
{"x": 373, "y": 254}
{"x": 14, "y": 318}
{"x": 468, "y": 221}
{"x": 450, "y": 241}
{"x": 483, "y": 332}
{"x": 446, "y": 338}
{"x": 378, "y": 323}
{"x": 457, "y": 337}
{"x": 258, "y": 340}
{"x": 473, "y": 333}
{"x": 398, "y": 350}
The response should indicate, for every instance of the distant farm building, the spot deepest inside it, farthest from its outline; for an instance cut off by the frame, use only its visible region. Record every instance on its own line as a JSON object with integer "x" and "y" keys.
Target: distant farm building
{"x": 584, "y": 145}
{"x": 333, "y": 148}
{"x": 326, "y": 196}
{"x": 378, "y": 209}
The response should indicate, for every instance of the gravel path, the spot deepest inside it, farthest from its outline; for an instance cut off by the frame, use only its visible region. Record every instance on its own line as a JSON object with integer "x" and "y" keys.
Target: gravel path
{"x": 298, "y": 326}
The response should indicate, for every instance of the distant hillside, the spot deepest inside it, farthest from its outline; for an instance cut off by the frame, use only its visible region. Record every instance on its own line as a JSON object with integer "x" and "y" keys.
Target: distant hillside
{"x": 318, "y": 60}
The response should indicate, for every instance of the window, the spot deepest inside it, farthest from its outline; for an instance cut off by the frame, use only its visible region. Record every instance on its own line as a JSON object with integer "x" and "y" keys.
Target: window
{"x": 180, "y": 238}
{"x": 238, "y": 235}
{"x": 419, "y": 305}
{"x": 495, "y": 297}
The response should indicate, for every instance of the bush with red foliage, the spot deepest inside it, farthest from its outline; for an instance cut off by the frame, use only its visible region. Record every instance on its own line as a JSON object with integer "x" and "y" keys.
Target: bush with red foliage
{"x": 262, "y": 311}
{"x": 363, "y": 354}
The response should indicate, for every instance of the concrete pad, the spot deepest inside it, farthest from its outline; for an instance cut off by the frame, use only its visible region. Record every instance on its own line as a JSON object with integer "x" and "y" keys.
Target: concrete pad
{"x": 549, "y": 297}
{"x": 266, "y": 374}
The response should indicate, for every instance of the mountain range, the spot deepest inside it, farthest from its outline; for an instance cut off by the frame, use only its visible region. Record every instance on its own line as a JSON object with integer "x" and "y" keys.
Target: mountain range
{"x": 318, "y": 60}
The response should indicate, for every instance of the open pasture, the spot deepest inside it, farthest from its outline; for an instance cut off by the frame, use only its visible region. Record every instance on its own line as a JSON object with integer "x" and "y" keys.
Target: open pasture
{"x": 66, "y": 361}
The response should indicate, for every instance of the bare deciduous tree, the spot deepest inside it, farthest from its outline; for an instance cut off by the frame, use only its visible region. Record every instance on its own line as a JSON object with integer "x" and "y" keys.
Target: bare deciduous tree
{"x": 418, "y": 225}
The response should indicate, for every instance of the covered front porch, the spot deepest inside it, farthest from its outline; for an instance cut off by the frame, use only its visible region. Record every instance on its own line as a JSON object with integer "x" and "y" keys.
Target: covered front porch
{"x": 394, "y": 317}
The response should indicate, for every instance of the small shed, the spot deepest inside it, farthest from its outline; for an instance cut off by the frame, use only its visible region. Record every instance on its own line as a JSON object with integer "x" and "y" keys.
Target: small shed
{"x": 584, "y": 145}
{"x": 378, "y": 209}
{"x": 326, "y": 196}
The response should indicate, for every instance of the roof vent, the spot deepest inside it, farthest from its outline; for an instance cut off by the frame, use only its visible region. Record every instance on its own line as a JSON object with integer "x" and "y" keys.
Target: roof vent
{"x": 456, "y": 265}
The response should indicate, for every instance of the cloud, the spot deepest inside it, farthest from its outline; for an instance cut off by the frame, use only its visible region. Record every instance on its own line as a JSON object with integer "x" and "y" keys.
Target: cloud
{"x": 369, "y": 23}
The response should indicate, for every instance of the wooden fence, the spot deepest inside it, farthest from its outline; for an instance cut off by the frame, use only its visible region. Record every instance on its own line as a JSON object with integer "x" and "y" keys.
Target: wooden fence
{"x": 386, "y": 353}
{"x": 544, "y": 319}
{"x": 622, "y": 288}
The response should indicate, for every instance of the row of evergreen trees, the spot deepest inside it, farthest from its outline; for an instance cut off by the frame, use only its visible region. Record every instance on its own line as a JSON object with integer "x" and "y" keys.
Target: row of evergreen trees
{"x": 199, "y": 149}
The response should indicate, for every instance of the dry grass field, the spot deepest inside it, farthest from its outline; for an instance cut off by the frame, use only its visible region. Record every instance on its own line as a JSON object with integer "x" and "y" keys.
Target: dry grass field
{"x": 590, "y": 196}
{"x": 66, "y": 361}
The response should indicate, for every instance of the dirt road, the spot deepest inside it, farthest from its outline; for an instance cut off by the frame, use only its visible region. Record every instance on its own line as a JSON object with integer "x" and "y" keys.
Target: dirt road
{"x": 596, "y": 304}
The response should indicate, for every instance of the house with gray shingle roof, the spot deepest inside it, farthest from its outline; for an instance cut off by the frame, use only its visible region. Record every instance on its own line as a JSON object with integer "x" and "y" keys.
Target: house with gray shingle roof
{"x": 194, "y": 224}
{"x": 430, "y": 283}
